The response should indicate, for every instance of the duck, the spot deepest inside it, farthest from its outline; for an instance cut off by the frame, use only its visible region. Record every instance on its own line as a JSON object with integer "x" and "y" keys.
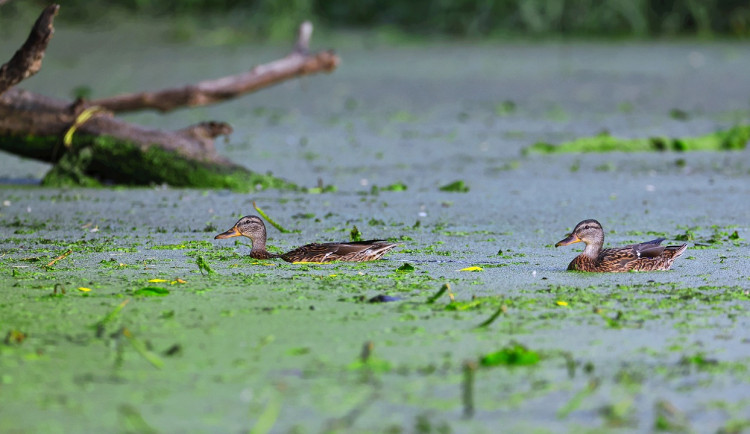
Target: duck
{"x": 647, "y": 256}
{"x": 356, "y": 251}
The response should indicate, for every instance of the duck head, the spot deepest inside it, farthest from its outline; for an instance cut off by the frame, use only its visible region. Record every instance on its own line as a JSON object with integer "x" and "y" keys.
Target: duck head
{"x": 249, "y": 226}
{"x": 589, "y": 232}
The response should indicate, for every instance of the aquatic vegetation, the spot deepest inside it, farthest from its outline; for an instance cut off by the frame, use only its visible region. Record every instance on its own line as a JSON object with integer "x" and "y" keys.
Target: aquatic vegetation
{"x": 405, "y": 268}
{"x": 151, "y": 291}
{"x": 355, "y": 235}
{"x": 458, "y": 186}
{"x": 269, "y": 219}
{"x": 505, "y": 108}
{"x": 735, "y": 138}
{"x": 514, "y": 354}
{"x": 397, "y": 186}
{"x": 203, "y": 265}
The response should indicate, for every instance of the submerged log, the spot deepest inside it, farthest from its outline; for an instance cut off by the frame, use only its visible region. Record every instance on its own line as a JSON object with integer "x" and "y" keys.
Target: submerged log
{"x": 87, "y": 144}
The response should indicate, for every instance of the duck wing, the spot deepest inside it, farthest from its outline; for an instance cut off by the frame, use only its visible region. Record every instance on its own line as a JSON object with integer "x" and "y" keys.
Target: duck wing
{"x": 650, "y": 249}
{"x": 358, "y": 251}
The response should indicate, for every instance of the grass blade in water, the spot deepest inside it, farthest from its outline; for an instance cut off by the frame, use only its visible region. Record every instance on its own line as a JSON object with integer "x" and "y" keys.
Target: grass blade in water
{"x": 270, "y": 220}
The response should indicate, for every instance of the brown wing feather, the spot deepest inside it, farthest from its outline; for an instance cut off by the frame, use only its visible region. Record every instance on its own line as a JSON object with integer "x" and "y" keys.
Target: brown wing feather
{"x": 357, "y": 251}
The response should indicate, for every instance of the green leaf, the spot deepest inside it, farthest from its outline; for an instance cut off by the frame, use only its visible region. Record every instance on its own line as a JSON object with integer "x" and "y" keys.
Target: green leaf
{"x": 151, "y": 291}
{"x": 269, "y": 220}
{"x": 443, "y": 289}
{"x": 456, "y": 187}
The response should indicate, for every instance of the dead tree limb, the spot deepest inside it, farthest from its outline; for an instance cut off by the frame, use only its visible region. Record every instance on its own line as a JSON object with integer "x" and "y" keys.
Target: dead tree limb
{"x": 28, "y": 59}
{"x": 97, "y": 146}
{"x": 296, "y": 64}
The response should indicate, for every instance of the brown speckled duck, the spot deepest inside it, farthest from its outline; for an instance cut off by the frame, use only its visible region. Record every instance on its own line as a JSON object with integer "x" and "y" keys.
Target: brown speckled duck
{"x": 359, "y": 251}
{"x": 648, "y": 256}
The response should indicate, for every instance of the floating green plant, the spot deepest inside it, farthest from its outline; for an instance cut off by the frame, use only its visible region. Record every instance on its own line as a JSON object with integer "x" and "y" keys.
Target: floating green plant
{"x": 398, "y": 186}
{"x": 203, "y": 265}
{"x": 406, "y": 268}
{"x": 456, "y": 187}
{"x": 513, "y": 355}
{"x": 735, "y": 138}
{"x": 151, "y": 291}
{"x": 355, "y": 235}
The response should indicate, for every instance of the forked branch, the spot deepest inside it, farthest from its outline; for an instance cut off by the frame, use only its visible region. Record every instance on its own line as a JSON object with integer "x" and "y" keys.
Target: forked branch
{"x": 298, "y": 63}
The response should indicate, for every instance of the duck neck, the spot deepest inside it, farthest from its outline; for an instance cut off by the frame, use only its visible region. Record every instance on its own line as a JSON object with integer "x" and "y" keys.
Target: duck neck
{"x": 593, "y": 249}
{"x": 259, "y": 248}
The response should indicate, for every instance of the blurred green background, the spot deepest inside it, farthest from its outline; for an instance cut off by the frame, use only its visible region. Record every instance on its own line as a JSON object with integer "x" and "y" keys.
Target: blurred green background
{"x": 271, "y": 19}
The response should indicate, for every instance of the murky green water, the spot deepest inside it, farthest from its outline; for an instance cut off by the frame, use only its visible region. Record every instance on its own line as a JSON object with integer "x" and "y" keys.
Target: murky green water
{"x": 278, "y": 345}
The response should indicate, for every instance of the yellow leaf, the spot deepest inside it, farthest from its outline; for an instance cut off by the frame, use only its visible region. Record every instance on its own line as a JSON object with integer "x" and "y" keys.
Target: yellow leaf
{"x": 81, "y": 288}
{"x": 306, "y": 262}
{"x": 80, "y": 120}
{"x": 332, "y": 275}
{"x": 474, "y": 268}
{"x": 157, "y": 280}
{"x": 561, "y": 303}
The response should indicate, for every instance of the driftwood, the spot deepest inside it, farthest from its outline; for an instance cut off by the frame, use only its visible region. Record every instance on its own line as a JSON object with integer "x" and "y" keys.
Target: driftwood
{"x": 86, "y": 143}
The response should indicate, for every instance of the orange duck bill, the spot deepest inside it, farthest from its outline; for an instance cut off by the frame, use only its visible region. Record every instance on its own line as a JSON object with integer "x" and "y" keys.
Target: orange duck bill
{"x": 234, "y": 232}
{"x": 572, "y": 238}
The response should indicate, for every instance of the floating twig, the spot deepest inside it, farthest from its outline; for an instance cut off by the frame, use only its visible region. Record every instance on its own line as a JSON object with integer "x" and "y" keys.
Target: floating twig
{"x": 135, "y": 420}
{"x": 577, "y": 399}
{"x": 470, "y": 369}
{"x": 570, "y": 364}
{"x": 270, "y": 220}
{"x": 346, "y": 422}
{"x": 366, "y": 351}
{"x": 270, "y": 414}
{"x": 61, "y": 257}
{"x": 500, "y": 310}
{"x": 15, "y": 337}
{"x": 140, "y": 347}
{"x": 443, "y": 289}
{"x": 109, "y": 317}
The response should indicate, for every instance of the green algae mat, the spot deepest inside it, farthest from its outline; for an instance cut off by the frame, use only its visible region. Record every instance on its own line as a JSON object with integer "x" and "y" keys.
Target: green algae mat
{"x": 113, "y": 322}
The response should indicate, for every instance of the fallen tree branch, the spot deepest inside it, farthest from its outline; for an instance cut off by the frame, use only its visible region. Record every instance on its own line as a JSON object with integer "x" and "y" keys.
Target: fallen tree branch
{"x": 296, "y": 64}
{"x": 97, "y": 146}
{"x": 28, "y": 59}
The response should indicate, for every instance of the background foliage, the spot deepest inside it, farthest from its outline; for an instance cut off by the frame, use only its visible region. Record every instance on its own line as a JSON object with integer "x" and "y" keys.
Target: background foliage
{"x": 462, "y": 18}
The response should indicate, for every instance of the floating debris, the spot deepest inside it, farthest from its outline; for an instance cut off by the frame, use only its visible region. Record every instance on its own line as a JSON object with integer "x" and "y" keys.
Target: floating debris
{"x": 382, "y": 298}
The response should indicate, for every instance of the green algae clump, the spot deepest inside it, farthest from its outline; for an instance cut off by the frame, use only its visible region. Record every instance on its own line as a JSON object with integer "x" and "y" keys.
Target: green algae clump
{"x": 733, "y": 139}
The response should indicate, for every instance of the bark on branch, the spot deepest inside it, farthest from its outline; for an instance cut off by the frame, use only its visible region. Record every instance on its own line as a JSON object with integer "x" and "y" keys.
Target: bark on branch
{"x": 101, "y": 146}
{"x": 28, "y": 59}
{"x": 296, "y": 64}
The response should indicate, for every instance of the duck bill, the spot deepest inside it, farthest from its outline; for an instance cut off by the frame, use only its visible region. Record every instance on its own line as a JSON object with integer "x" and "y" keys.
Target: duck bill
{"x": 228, "y": 234}
{"x": 572, "y": 238}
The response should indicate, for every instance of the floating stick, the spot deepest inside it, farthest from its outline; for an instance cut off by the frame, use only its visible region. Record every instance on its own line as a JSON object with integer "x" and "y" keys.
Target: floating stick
{"x": 63, "y": 256}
